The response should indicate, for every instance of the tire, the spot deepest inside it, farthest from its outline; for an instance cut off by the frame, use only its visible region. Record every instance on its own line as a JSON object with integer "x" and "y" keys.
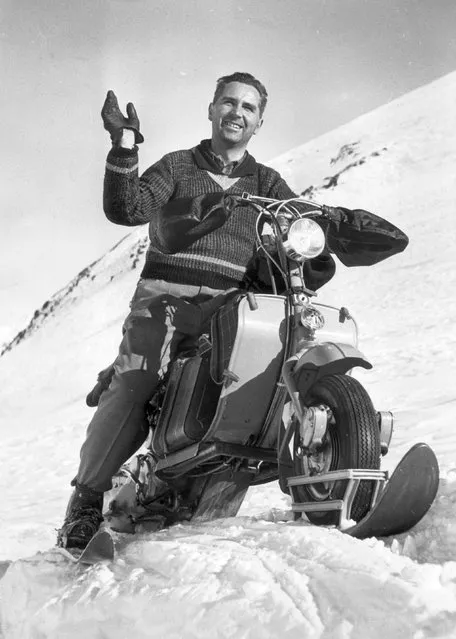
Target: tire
{"x": 352, "y": 440}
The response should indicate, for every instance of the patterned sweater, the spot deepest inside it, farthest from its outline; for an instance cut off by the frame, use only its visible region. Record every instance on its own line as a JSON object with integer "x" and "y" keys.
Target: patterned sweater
{"x": 221, "y": 258}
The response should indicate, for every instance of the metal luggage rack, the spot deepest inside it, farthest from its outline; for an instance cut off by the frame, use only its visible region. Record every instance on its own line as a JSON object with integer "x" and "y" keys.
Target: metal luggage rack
{"x": 344, "y": 506}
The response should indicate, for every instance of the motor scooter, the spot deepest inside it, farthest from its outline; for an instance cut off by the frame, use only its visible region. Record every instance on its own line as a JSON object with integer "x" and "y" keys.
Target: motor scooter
{"x": 269, "y": 395}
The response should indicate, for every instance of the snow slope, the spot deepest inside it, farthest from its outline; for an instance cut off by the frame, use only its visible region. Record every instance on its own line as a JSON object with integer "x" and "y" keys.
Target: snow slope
{"x": 259, "y": 574}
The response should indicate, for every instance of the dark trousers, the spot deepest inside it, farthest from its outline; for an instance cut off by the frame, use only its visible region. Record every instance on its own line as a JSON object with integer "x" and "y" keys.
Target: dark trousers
{"x": 165, "y": 318}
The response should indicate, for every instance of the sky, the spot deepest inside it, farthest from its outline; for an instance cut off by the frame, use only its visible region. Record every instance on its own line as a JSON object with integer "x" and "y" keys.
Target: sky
{"x": 260, "y": 575}
{"x": 324, "y": 62}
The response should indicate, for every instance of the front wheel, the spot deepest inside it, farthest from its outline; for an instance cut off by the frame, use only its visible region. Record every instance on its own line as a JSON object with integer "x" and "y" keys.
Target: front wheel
{"x": 352, "y": 440}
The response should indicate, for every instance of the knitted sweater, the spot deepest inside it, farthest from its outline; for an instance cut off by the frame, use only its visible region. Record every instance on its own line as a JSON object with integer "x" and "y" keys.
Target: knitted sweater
{"x": 221, "y": 258}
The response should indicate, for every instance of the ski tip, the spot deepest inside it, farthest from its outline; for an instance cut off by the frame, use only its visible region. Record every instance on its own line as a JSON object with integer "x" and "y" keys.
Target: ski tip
{"x": 423, "y": 448}
{"x": 100, "y": 548}
{"x": 406, "y": 498}
{"x": 418, "y": 458}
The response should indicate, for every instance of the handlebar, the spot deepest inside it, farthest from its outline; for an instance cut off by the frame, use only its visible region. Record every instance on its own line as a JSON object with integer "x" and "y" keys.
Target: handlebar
{"x": 270, "y": 204}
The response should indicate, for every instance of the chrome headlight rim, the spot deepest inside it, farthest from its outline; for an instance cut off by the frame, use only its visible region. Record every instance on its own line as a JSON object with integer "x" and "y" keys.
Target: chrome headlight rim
{"x": 305, "y": 240}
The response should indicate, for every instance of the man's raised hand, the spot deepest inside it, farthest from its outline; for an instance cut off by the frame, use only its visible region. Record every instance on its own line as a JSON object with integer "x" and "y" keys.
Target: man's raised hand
{"x": 114, "y": 120}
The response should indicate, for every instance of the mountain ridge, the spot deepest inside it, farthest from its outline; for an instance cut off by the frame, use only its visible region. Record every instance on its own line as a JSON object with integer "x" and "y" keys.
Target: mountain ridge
{"x": 328, "y": 162}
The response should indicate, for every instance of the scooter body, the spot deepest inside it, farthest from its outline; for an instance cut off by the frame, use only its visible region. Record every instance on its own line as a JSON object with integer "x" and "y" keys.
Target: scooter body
{"x": 234, "y": 393}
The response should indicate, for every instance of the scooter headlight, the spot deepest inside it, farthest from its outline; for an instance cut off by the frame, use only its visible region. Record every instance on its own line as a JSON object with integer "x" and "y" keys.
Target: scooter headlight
{"x": 305, "y": 240}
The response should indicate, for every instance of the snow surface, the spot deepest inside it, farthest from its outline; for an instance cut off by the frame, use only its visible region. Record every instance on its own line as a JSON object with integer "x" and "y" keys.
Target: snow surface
{"x": 258, "y": 575}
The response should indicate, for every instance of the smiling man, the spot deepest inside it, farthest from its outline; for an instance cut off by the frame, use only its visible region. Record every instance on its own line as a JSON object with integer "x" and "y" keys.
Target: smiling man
{"x": 236, "y": 113}
{"x": 203, "y": 247}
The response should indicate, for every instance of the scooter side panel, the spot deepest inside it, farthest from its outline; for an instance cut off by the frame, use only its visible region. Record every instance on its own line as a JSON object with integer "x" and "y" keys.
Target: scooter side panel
{"x": 253, "y": 371}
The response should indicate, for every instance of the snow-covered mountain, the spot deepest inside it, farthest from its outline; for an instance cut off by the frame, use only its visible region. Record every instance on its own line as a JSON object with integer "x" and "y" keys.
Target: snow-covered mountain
{"x": 260, "y": 574}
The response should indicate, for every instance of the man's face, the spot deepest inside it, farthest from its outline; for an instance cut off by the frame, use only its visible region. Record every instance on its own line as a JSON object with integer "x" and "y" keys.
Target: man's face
{"x": 235, "y": 115}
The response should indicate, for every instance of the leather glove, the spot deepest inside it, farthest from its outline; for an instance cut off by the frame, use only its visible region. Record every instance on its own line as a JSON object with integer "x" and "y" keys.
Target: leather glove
{"x": 329, "y": 212}
{"x": 230, "y": 201}
{"x": 182, "y": 221}
{"x": 114, "y": 120}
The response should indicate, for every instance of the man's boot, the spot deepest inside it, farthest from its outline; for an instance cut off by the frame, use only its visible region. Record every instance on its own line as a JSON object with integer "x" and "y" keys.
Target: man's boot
{"x": 83, "y": 518}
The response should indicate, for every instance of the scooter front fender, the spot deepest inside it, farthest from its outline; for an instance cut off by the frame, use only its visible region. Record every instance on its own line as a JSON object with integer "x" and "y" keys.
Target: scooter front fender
{"x": 325, "y": 359}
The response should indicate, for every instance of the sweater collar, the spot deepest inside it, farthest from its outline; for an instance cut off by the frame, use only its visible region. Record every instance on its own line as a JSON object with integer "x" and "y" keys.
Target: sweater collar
{"x": 206, "y": 159}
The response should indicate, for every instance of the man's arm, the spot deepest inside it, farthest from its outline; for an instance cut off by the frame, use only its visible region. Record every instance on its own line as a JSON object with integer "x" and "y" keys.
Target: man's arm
{"x": 183, "y": 221}
{"x": 128, "y": 199}
{"x": 279, "y": 189}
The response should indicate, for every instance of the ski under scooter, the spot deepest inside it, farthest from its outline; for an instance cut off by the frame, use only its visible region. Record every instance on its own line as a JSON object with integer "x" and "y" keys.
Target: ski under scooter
{"x": 399, "y": 503}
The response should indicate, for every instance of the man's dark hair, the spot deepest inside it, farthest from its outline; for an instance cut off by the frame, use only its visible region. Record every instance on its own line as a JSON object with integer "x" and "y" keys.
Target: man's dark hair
{"x": 244, "y": 78}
